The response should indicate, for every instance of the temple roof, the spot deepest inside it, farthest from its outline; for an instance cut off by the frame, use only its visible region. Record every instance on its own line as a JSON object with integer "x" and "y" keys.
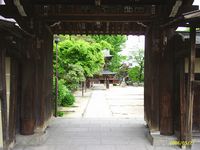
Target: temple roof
{"x": 107, "y": 72}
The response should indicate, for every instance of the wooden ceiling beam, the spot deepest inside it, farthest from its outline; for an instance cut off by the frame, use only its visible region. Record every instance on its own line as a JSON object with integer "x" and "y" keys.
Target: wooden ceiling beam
{"x": 95, "y": 18}
{"x": 46, "y": 10}
{"x": 99, "y": 28}
{"x": 102, "y": 2}
{"x": 87, "y": 13}
{"x": 91, "y": 32}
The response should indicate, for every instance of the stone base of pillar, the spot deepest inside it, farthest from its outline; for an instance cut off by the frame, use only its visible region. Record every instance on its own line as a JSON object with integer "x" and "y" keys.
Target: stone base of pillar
{"x": 31, "y": 140}
{"x": 161, "y": 140}
{"x": 41, "y": 129}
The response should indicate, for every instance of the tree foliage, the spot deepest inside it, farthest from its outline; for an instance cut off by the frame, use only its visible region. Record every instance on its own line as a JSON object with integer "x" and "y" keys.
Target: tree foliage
{"x": 116, "y": 41}
{"x": 65, "y": 97}
{"x": 80, "y": 57}
{"x": 116, "y": 44}
{"x": 136, "y": 74}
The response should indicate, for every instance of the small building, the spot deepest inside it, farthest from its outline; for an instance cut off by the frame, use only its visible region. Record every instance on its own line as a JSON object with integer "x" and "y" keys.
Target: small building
{"x": 106, "y": 76}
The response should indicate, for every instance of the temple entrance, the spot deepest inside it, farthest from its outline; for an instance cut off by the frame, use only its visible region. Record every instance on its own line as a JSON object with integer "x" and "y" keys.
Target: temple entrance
{"x": 171, "y": 83}
{"x": 112, "y": 87}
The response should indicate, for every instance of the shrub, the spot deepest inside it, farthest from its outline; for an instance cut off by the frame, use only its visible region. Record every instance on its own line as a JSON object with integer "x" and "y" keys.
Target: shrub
{"x": 60, "y": 113}
{"x": 135, "y": 75}
{"x": 65, "y": 96}
{"x": 73, "y": 76}
{"x": 68, "y": 100}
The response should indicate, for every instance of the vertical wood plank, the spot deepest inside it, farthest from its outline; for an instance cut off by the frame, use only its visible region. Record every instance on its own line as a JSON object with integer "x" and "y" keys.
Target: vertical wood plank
{"x": 44, "y": 78}
{"x": 190, "y": 91}
{"x": 3, "y": 98}
{"x": 146, "y": 78}
{"x": 27, "y": 124}
{"x": 50, "y": 76}
{"x": 166, "y": 86}
{"x": 151, "y": 87}
{"x": 183, "y": 129}
{"x": 154, "y": 77}
{"x": 13, "y": 100}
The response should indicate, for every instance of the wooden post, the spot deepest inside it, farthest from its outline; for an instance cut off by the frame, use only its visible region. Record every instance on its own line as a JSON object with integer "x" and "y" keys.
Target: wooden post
{"x": 166, "y": 87}
{"x": 146, "y": 78}
{"x": 191, "y": 77}
{"x": 44, "y": 76}
{"x": 28, "y": 119}
{"x": 3, "y": 98}
{"x": 49, "y": 76}
{"x": 107, "y": 82}
{"x": 13, "y": 99}
{"x": 85, "y": 85}
{"x": 56, "y": 80}
{"x": 82, "y": 88}
{"x": 183, "y": 129}
{"x": 151, "y": 87}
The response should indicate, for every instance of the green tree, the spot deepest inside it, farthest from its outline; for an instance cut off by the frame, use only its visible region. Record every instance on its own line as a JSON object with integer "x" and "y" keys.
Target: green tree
{"x": 136, "y": 74}
{"x": 87, "y": 55}
{"x": 79, "y": 57}
{"x": 116, "y": 43}
{"x": 73, "y": 76}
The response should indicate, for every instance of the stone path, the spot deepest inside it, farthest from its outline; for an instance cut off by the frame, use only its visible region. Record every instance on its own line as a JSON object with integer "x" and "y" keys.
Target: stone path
{"x": 98, "y": 106}
{"x": 96, "y": 134}
{"x": 118, "y": 102}
{"x": 113, "y": 120}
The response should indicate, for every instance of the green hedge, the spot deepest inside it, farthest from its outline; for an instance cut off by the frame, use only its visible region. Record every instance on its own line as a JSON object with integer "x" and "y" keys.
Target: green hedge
{"x": 65, "y": 96}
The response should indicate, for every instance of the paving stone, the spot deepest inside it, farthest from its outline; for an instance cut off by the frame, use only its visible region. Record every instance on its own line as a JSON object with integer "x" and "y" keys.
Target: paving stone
{"x": 125, "y": 132}
{"x": 100, "y": 147}
{"x": 130, "y": 147}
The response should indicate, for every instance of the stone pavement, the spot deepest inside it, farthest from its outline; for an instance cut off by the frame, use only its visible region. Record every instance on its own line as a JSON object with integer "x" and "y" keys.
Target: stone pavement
{"x": 96, "y": 134}
{"x": 107, "y": 126}
{"x": 118, "y": 102}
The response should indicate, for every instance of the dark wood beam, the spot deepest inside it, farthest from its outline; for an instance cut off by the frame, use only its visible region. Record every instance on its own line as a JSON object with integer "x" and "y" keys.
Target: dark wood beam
{"x": 166, "y": 84}
{"x": 182, "y": 107}
{"x": 100, "y": 33}
{"x": 103, "y": 2}
{"x": 13, "y": 99}
{"x": 3, "y": 97}
{"x": 99, "y": 28}
{"x": 94, "y": 18}
{"x": 65, "y": 12}
{"x": 151, "y": 73}
{"x": 28, "y": 97}
{"x": 188, "y": 2}
{"x": 135, "y": 10}
{"x": 191, "y": 78}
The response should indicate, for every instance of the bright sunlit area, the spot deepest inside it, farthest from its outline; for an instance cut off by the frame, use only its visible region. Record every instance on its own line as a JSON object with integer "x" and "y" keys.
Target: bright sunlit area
{"x": 2, "y": 2}
{"x": 99, "y": 76}
{"x": 196, "y": 2}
